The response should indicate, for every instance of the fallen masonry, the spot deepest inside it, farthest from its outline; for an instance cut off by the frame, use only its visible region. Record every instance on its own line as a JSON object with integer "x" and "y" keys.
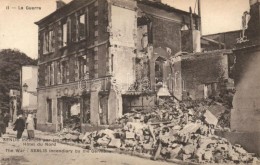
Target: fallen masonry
{"x": 172, "y": 130}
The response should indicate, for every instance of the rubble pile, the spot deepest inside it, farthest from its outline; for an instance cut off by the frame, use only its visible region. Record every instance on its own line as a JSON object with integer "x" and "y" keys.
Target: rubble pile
{"x": 184, "y": 131}
{"x": 69, "y": 135}
{"x": 172, "y": 130}
{"x": 71, "y": 130}
{"x": 72, "y": 123}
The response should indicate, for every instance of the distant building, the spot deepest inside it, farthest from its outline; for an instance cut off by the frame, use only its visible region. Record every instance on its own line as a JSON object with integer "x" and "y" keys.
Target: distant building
{"x": 15, "y": 103}
{"x": 29, "y": 88}
{"x": 218, "y": 41}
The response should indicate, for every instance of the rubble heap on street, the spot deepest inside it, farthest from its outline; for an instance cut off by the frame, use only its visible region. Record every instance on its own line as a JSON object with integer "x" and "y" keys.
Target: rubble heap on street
{"x": 172, "y": 130}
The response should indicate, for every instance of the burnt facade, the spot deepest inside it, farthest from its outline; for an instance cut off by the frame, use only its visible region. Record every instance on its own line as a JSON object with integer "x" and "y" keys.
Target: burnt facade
{"x": 94, "y": 54}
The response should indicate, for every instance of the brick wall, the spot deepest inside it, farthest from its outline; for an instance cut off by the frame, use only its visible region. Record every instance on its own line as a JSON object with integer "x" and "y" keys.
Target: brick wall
{"x": 167, "y": 34}
{"x": 202, "y": 68}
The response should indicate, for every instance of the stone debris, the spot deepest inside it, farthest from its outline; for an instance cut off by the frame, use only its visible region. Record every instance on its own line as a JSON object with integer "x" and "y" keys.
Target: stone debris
{"x": 172, "y": 130}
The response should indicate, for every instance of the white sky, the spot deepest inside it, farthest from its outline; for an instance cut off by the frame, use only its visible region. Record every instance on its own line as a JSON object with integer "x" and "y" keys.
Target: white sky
{"x": 17, "y": 28}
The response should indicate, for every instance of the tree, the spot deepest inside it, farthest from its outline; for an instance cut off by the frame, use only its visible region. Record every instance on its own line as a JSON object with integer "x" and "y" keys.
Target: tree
{"x": 11, "y": 61}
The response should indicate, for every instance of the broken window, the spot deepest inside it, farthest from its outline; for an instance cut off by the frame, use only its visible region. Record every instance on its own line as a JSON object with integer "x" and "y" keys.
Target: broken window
{"x": 49, "y": 75}
{"x": 82, "y": 27}
{"x": 64, "y": 70}
{"x": 103, "y": 109}
{"x": 210, "y": 90}
{"x": 59, "y": 77}
{"x": 159, "y": 62}
{"x": 64, "y": 34}
{"x": 86, "y": 110}
{"x": 144, "y": 32}
{"x": 83, "y": 69}
{"x": 48, "y": 41}
{"x": 45, "y": 42}
{"x": 51, "y": 41}
{"x": 52, "y": 74}
{"x": 49, "y": 110}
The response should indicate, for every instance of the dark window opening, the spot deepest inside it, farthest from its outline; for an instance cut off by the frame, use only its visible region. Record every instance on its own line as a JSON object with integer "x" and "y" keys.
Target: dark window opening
{"x": 83, "y": 69}
{"x": 159, "y": 63}
{"x": 49, "y": 110}
{"x": 86, "y": 110}
{"x": 64, "y": 34}
{"x": 82, "y": 27}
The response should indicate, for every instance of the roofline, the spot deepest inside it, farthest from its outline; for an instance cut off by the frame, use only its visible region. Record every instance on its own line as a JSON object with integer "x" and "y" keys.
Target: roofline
{"x": 222, "y": 33}
{"x": 168, "y": 6}
{"x": 138, "y": 1}
{"x": 53, "y": 13}
{"x": 246, "y": 47}
{"x": 220, "y": 51}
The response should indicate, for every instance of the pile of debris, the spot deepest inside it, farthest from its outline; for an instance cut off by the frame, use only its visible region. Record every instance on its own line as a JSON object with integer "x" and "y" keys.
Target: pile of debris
{"x": 171, "y": 130}
{"x": 193, "y": 142}
{"x": 71, "y": 130}
{"x": 70, "y": 135}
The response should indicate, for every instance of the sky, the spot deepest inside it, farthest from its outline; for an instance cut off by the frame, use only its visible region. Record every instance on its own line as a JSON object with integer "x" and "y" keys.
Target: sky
{"x": 18, "y": 31}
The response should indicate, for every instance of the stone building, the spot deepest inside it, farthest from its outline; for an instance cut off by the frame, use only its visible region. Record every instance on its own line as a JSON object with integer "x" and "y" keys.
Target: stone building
{"x": 98, "y": 56}
{"x": 29, "y": 82}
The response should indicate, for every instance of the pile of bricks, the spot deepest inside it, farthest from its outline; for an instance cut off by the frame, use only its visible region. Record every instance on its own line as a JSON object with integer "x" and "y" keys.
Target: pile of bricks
{"x": 172, "y": 130}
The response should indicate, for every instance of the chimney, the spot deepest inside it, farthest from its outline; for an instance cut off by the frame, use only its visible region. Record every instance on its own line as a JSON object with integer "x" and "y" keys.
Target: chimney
{"x": 59, "y": 4}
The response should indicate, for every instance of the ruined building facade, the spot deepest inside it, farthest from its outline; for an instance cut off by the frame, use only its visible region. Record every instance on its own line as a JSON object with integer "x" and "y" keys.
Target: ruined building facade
{"x": 96, "y": 57}
{"x": 245, "y": 116}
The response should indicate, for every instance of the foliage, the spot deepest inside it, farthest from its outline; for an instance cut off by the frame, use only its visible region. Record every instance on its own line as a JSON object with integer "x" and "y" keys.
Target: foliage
{"x": 11, "y": 62}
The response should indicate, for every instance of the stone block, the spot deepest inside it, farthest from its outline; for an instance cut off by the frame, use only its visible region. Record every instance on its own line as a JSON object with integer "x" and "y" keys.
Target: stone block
{"x": 116, "y": 143}
{"x": 210, "y": 118}
{"x": 130, "y": 135}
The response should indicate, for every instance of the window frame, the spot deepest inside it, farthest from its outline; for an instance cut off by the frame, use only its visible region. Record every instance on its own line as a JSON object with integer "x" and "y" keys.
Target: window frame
{"x": 49, "y": 109}
{"x": 64, "y": 34}
{"x": 48, "y": 41}
{"x": 82, "y": 36}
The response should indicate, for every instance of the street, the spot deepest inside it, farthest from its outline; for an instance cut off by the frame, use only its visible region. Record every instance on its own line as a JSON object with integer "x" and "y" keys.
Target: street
{"x": 38, "y": 152}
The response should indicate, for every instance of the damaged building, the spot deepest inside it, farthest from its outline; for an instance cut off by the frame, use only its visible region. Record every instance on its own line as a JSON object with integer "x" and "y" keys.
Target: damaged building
{"x": 201, "y": 75}
{"x": 89, "y": 57}
{"x": 100, "y": 59}
{"x": 245, "y": 114}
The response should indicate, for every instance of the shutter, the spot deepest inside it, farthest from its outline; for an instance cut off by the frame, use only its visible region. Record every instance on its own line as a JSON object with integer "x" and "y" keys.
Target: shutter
{"x": 76, "y": 28}
{"x": 76, "y": 69}
{"x": 69, "y": 31}
{"x": 52, "y": 73}
{"x": 59, "y": 35}
{"x": 46, "y": 75}
{"x": 67, "y": 72}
